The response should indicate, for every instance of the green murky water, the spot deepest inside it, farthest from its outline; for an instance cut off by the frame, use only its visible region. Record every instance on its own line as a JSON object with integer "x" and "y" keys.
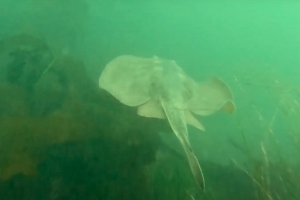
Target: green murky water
{"x": 62, "y": 137}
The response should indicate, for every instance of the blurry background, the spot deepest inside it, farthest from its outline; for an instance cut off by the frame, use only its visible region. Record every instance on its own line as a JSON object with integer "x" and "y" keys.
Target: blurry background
{"x": 253, "y": 46}
{"x": 227, "y": 39}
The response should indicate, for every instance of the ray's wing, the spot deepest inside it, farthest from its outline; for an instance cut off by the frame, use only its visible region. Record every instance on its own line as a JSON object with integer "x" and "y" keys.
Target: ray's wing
{"x": 128, "y": 79}
{"x": 209, "y": 97}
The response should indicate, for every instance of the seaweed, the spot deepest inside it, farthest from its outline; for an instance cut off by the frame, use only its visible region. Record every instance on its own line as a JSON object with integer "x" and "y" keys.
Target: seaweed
{"x": 273, "y": 175}
{"x": 67, "y": 115}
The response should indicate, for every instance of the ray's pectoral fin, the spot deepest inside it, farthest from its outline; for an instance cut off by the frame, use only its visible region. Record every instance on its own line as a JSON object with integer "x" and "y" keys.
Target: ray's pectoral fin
{"x": 128, "y": 79}
{"x": 211, "y": 96}
{"x": 151, "y": 109}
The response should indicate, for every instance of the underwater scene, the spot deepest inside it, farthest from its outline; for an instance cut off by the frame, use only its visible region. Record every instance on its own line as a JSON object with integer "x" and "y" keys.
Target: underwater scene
{"x": 149, "y": 100}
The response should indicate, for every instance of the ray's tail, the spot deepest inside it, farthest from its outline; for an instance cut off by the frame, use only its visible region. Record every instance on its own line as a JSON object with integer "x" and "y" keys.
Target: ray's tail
{"x": 177, "y": 122}
{"x": 194, "y": 165}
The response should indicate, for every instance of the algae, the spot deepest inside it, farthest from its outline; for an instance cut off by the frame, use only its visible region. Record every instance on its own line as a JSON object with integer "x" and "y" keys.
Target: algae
{"x": 65, "y": 108}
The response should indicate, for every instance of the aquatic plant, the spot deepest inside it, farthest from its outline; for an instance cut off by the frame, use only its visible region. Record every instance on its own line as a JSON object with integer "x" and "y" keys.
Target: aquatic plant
{"x": 67, "y": 112}
{"x": 273, "y": 170}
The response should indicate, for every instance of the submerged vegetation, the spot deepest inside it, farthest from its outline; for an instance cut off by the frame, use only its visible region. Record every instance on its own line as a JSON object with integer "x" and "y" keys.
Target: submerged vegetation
{"x": 60, "y": 133}
{"x": 64, "y": 138}
{"x": 273, "y": 169}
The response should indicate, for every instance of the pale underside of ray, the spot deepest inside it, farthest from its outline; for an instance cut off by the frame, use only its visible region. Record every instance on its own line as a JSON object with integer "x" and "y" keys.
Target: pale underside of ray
{"x": 129, "y": 79}
{"x": 148, "y": 83}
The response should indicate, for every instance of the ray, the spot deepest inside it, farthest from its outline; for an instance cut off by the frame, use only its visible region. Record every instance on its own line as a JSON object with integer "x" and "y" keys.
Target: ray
{"x": 161, "y": 89}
